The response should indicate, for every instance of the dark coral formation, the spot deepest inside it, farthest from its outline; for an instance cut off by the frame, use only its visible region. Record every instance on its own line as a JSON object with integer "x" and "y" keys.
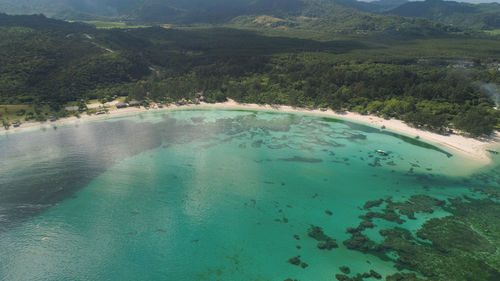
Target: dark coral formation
{"x": 296, "y": 261}
{"x": 362, "y": 226}
{"x": 360, "y": 242}
{"x": 393, "y": 210}
{"x": 328, "y": 245}
{"x": 449, "y": 233}
{"x": 342, "y": 277}
{"x": 359, "y": 276}
{"x": 373, "y": 203}
{"x": 388, "y": 214}
{"x": 301, "y": 159}
{"x": 317, "y": 233}
{"x": 345, "y": 269}
{"x": 326, "y": 242}
{"x": 403, "y": 277}
{"x": 375, "y": 274}
{"x": 459, "y": 247}
{"x": 418, "y": 204}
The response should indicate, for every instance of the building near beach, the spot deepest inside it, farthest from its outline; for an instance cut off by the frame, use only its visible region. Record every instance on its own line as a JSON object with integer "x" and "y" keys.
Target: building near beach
{"x": 121, "y": 105}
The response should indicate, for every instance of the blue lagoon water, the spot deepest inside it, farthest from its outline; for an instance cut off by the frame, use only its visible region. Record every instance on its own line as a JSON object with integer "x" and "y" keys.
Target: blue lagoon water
{"x": 208, "y": 195}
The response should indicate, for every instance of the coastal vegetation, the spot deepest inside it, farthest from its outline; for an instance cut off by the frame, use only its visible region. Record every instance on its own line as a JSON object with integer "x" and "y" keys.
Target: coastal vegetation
{"x": 429, "y": 82}
{"x": 308, "y": 53}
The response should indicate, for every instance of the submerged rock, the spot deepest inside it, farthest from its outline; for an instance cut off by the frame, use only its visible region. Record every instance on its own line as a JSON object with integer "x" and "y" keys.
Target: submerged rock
{"x": 317, "y": 233}
{"x": 389, "y": 214}
{"x": 375, "y": 274}
{"x": 418, "y": 204}
{"x": 342, "y": 277}
{"x": 363, "y": 276}
{"x": 301, "y": 159}
{"x": 345, "y": 269}
{"x": 365, "y": 224}
{"x": 257, "y": 143}
{"x": 295, "y": 260}
{"x": 374, "y": 203}
{"x": 361, "y": 243}
{"x": 327, "y": 243}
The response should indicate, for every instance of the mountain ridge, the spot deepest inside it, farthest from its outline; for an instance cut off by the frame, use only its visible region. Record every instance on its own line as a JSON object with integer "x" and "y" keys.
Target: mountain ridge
{"x": 465, "y": 15}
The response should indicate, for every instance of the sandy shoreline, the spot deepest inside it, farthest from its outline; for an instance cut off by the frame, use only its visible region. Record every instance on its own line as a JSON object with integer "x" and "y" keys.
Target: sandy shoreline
{"x": 471, "y": 148}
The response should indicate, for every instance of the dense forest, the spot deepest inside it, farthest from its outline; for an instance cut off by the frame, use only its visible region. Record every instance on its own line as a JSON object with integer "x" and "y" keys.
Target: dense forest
{"x": 435, "y": 81}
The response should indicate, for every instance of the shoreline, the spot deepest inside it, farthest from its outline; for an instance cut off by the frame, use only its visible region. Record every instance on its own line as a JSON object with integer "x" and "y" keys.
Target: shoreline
{"x": 472, "y": 148}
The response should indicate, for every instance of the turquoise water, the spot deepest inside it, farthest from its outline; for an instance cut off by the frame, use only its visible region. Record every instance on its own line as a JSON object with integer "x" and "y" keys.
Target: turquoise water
{"x": 206, "y": 195}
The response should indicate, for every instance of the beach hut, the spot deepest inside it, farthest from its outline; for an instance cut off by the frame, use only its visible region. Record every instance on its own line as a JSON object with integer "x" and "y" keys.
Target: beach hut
{"x": 134, "y": 103}
{"x": 121, "y": 105}
{"x": 71, "y": 108}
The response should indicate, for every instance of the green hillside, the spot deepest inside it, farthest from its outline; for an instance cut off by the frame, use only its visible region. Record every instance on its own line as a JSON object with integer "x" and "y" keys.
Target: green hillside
{"x": 378, "y": 6}
{"x": 479, "y": 16}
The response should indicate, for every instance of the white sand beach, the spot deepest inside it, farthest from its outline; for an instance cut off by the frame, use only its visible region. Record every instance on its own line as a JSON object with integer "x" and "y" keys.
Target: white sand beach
{"x": 472, "y": 148}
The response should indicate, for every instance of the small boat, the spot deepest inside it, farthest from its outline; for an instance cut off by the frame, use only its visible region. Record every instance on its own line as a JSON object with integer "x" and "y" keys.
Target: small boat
{"x": 494, "y": 151}
{"x": 381, "y": 152}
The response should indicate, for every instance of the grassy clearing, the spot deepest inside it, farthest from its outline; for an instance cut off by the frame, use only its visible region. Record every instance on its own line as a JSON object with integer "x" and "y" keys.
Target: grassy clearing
{"x": 94, "y": 101}
{"x": 493, "y": 32}
{"x": 14, "y": 112}
{"x": 113, "y": 24}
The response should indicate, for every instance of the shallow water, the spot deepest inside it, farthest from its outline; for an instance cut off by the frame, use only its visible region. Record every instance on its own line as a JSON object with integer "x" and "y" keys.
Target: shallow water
{"x": 207, "y": 195}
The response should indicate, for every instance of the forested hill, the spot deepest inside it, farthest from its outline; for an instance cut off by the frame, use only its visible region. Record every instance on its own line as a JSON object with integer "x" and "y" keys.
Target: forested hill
{"x": 478, "y": 16}
{"x": 165, "y": 11}
{"x": 435, "y": 82}
{"x": 45, "y": 59}
{"x": 202, "y": 11}
{"x": 379, "y": 6}
{"x": 295, "y": 12}
{"x": 333, "y": 16}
